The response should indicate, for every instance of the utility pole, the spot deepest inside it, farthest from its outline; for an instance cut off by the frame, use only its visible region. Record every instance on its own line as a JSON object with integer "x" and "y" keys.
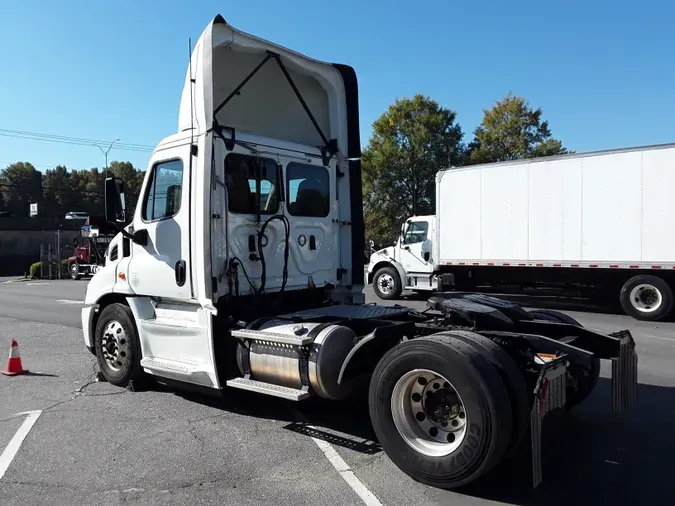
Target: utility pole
{"x": 105, "y": 153}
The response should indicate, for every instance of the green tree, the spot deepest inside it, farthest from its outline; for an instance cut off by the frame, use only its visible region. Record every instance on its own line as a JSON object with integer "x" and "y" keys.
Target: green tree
{"x": 512, "y": 130}
{"x": 21, "y": 185}
{"x": 411, "y": 142}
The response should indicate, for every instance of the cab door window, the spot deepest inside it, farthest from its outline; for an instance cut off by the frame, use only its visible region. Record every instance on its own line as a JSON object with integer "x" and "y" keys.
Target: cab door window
{"x": 416, "y": 232}
{"x": 163, "y": 196}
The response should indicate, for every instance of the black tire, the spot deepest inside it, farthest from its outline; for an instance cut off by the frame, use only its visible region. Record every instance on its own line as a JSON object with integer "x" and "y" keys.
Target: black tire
{"x": 586, "y": 380}
{"x": 395, "y": 291}
{"x": 74, "y": 271}
{"x": 512, "y": 377}
{"x": 665, "y": 308}
{"x": 131, "y": 368}
{"x": 485, "y": 399}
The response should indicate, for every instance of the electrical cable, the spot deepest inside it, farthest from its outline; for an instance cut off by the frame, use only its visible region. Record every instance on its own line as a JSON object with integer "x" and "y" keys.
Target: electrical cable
{"x": 255, "y": 292}
{"x": 263, "y": 276}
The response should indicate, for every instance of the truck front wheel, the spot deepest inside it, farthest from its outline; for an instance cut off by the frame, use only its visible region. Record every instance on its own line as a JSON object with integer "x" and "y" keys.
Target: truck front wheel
{"x": 387, "y": 283}
{"x": 75, "y": 271}
{"x": 118, "y": 350}
{"x": 440, "y": 411}
{"x": 647, "y": 298}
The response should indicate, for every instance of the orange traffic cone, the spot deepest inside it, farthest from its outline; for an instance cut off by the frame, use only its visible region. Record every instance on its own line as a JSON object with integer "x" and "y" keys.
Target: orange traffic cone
{"x": 14, "y": 365}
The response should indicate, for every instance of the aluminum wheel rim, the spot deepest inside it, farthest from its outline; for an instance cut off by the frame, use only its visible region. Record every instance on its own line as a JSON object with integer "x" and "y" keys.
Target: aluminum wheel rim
{"x": 646, "y": 298}
{"x": 74, "y": 269}
{"x": 115, "y": 345}
{"x": 428, "y": 413}
{"x": 386, "y": 283}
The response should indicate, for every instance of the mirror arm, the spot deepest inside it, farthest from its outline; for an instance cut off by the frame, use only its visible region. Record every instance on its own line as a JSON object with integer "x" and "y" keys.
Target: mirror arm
{"x": 139, "y": 237}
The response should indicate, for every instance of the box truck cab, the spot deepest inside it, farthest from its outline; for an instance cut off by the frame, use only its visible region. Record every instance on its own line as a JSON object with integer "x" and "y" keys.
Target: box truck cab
{"x": 409, "y": 263}
{"x": 242, "y": 267}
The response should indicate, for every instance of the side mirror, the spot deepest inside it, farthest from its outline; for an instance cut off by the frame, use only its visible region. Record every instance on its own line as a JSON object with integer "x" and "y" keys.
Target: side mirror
{"x": 76, "y": 242}
{"x": 114, "y": 201}
{"x": 426, "y": 249}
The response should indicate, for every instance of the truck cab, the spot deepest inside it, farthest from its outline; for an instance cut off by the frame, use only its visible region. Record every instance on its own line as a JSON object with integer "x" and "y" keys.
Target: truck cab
{"x": 253, "y": 207}
{"x": 90, "y": 249}
{"x": 409, "y": 263}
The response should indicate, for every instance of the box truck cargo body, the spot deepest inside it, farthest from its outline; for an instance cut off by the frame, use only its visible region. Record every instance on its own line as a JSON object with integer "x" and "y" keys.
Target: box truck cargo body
{"x": 601, "y": 220}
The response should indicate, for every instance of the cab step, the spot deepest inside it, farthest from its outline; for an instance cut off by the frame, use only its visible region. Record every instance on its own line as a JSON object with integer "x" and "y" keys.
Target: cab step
{"x": 259, "y": 335}
{"x": 291, "y": 394}
{"x": 165, "y": 365}
{"x": 189, "y": 369}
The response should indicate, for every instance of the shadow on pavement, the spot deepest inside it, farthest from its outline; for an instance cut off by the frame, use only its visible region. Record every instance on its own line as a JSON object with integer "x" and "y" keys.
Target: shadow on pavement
{"x": 598, "y": 458}
{"x": 593, "y": 458}
{"x": 318, "y": 418}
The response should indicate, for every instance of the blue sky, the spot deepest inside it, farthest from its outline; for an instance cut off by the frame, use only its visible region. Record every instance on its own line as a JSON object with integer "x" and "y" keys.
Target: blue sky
{"x": 603, "y": 72}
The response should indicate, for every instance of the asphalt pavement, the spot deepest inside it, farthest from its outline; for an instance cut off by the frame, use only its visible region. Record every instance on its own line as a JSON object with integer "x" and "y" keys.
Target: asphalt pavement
{"x": 97, "y": 444}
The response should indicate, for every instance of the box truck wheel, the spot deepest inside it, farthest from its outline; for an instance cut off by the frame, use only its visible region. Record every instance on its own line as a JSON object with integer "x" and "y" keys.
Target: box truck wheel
{"x": 440, "y": 410}
{"x": 387, "y": 283}
{"x": 118, "y": 349}
{"x": 585, "y": 380}
{"x": 647, "y": 297}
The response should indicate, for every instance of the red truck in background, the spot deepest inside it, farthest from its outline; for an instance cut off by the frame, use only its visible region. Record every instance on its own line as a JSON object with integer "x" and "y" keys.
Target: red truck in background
{"x": 90, "y": 249}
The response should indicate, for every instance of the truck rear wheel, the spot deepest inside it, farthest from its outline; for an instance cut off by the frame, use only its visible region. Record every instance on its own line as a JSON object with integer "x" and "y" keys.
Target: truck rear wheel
{"x": 440, "y": 410}
{"x": 118, "y": 349}
{"x": 512, "y": 378}
{"x": 647, "y": 298}
{"x": 586, "y": 380}
{"x": 387, "y": 283}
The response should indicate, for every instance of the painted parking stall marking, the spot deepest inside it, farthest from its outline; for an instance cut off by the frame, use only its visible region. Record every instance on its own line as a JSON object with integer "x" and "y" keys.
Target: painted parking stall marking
{"x": 13, "y": 446}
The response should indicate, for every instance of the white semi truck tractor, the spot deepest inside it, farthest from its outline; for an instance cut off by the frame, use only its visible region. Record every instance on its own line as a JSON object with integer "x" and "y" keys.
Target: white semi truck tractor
{"x": 597, "y": 224}
{"x": 242, "y": 268}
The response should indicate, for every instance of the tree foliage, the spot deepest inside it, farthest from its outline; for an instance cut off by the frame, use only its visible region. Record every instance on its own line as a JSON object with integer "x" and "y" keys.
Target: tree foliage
{"x": 411, "y": 141}
{"x": 60, "y": 190}
{"x": 512, "y": 130}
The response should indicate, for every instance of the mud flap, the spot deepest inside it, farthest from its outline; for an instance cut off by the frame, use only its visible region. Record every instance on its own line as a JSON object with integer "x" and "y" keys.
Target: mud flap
{"x": 624, "y": 373}
{"x": 550, "y": 392}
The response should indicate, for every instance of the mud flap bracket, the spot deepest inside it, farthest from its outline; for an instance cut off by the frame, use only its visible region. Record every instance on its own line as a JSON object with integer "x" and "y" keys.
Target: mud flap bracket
{"x": 550, "y": 393}
{"x": 624, "y": 373}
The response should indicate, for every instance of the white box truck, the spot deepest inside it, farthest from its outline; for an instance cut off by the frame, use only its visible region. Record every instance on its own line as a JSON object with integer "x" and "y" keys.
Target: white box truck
{"x": 600, "y": 222}
{"x": 242, "y": 267}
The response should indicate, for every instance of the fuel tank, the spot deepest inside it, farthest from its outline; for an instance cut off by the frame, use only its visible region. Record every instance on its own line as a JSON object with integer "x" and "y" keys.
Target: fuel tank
{"x": 282, "y": 364}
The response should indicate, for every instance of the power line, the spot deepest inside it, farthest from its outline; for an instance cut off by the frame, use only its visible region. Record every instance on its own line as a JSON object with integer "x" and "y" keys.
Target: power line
{"x": 77, "y": 141}
{"x": 53, "y": 166}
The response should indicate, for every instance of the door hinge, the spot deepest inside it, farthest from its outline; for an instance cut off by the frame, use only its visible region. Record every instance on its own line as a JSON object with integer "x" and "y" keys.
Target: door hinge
{"x": 194, "y": 149}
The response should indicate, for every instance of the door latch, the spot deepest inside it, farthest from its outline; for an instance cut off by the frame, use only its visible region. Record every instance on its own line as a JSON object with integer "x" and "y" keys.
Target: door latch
{"x": 180, "y": 272}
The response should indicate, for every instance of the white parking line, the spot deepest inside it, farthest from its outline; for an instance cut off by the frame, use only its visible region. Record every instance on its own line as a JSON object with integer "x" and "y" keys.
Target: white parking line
{"x": 14, "y": 445}
{"x": 341, "y": 466}
{"x": 345, "y": 471}
{"x": 69, "y": 301}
